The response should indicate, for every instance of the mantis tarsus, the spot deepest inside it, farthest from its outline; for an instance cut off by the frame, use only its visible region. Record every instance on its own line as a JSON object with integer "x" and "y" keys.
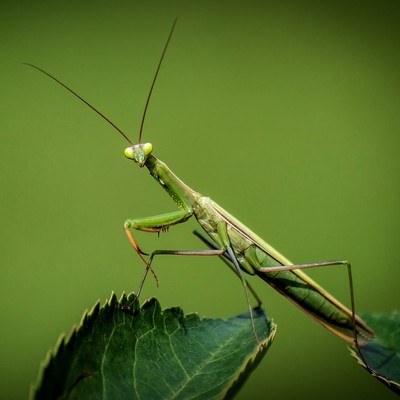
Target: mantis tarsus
{"x": 240, "y": 248}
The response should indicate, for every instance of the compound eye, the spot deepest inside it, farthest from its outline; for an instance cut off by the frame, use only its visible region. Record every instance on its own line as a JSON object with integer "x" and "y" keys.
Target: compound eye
{"x": 129, "y": 152}
{"x": 147, "y": 148}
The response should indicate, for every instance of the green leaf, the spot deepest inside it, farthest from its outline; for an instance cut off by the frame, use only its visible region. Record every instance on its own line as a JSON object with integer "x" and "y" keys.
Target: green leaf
{"x": 153, "y": 354}
{"x": 381, "y": 355}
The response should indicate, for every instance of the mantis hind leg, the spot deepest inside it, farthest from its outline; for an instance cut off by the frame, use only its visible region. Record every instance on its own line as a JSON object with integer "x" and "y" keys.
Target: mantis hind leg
{"x": 354, "y": 318}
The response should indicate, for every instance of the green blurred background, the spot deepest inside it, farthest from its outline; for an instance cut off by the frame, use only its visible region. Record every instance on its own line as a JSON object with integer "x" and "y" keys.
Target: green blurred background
{"x": 286, "y": 113}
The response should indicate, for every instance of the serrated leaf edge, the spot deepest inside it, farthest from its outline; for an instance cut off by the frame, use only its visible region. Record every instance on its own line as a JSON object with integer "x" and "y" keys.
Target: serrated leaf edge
{"x": 64, "y": 339}
{"x": 253, "y": 359}
{"x": 354, "y": 353}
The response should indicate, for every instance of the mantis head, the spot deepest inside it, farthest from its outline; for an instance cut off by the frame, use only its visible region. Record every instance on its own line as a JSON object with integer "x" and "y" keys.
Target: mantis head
{"x": 139, "y": 153}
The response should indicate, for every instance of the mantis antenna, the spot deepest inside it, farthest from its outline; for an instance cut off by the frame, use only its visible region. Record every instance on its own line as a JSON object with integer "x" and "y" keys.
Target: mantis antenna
{"x": 82, "y": 99}
{"x": 96, "y": 110}
{"x": 154, "y": 81}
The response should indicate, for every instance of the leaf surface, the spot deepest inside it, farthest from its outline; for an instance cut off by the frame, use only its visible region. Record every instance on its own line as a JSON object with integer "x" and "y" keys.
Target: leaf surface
{"x": 153, "y": 354}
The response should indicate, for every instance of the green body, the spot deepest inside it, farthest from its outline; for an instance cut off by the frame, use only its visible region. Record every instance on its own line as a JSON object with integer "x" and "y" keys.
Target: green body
{"x": 245, "y": 250}
{"x": 252, "y": 253}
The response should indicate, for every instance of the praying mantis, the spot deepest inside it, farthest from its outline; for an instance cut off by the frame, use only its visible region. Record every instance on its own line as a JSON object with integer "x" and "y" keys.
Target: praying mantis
{"x": 244, "y": 251}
